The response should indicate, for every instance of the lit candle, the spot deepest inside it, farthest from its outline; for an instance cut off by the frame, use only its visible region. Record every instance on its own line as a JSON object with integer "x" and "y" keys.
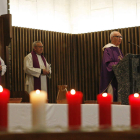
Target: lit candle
{"x": 74, "y": 100}
{"x": 4, "y": 99}
{"x": 104, "y": 101}
{"x": 134, "y": 101}
{"x": 38, "y": 99}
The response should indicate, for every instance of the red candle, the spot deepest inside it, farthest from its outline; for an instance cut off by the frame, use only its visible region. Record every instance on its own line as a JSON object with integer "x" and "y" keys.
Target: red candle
{"x": 134, "y": 101}
{"x": 4, "y": 99}
{"x": 104, "y": 101}
{"x": 74, "y": 100}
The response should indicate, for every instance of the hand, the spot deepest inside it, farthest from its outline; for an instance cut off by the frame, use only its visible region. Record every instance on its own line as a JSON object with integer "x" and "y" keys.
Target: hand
{"x": 45, "y": 72}
{"x": 0, "y": 68}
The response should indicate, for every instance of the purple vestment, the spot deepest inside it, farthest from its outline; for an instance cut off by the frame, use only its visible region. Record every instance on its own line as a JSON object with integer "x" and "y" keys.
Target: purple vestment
{"x": 37, "y": 81}
{"x": 111, "y": 56}
{"x": 0, "y": 74}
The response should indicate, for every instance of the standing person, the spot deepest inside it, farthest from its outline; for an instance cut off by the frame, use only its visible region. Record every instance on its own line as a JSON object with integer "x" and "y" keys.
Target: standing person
{"x": 2, "y": 68}
{"x": 112, "y": 55}
{"x": 36, "y": 68}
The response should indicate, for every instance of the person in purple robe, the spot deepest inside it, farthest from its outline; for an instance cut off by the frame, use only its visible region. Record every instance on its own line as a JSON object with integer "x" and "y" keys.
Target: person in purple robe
{"x": 36, "y": 68}
{"x": 111, "y": 56}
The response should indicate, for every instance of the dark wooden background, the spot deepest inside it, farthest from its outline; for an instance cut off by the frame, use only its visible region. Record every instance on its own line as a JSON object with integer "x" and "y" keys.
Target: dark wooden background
{"x": 5, "y": 39}
{"x": 75, "y": 58}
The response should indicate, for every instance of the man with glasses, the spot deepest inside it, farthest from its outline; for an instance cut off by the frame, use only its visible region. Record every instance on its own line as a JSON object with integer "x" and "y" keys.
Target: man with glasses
{"x": 112, "y": 55}
{"x": 36, "y": 68}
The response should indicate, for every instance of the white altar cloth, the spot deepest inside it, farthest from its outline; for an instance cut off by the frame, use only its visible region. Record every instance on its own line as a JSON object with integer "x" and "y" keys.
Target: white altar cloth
{"x": 56, "y": 115}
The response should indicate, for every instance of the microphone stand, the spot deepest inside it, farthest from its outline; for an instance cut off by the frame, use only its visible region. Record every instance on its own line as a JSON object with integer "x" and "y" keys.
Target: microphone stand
{"x": 134, "y": 44}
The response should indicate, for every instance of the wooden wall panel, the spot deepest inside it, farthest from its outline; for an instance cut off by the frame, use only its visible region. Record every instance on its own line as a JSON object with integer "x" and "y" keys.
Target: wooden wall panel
{"x": 75, "y": 58}
{"x": 57, "y": 50}
{"x": 5, "y": 39}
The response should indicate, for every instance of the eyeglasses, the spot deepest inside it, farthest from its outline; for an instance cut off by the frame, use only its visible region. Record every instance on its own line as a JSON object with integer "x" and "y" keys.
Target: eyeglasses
{"x": 118, "y": 36}
{"x": 40, "y": 46}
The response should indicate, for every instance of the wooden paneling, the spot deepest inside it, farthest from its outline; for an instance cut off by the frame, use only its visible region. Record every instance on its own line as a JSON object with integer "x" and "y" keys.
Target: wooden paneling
{"x": 56, "y": 50}
{"x": 75, "y": 58}
{"x": 5, "y": 39}
{"x": 1, "y": 36}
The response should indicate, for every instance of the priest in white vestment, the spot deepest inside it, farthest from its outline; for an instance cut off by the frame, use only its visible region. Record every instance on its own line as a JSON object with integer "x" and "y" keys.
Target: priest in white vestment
{"x": 36, "y": 68}
{"x": 2, "y": 68}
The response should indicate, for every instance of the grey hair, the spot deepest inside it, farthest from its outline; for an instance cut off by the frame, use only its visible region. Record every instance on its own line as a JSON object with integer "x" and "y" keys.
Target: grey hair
{"x": 112, "y": 34}
{"x": 35, "y": 43}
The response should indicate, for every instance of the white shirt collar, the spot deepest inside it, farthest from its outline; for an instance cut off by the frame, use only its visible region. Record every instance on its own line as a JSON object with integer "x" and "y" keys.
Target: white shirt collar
{"x": 109, "y": 45}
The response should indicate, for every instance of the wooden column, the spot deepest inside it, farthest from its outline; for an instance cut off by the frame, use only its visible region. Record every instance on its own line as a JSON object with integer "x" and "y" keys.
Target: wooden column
{"x": 5, "y": 39}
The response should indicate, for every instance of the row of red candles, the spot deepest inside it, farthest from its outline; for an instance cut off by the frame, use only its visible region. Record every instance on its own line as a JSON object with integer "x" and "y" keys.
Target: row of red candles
{"x": 104, "y": 101}
{"x": 74, "y": 99}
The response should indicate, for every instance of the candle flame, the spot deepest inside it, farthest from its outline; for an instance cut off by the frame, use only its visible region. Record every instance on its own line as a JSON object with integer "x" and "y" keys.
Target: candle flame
{"x": 104, "y": 94}
{"x": 37, "y": 91}
{"x": 136, "y": 95}
{"x": 72, "y": 91}
{"x": 1, "y": 88}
